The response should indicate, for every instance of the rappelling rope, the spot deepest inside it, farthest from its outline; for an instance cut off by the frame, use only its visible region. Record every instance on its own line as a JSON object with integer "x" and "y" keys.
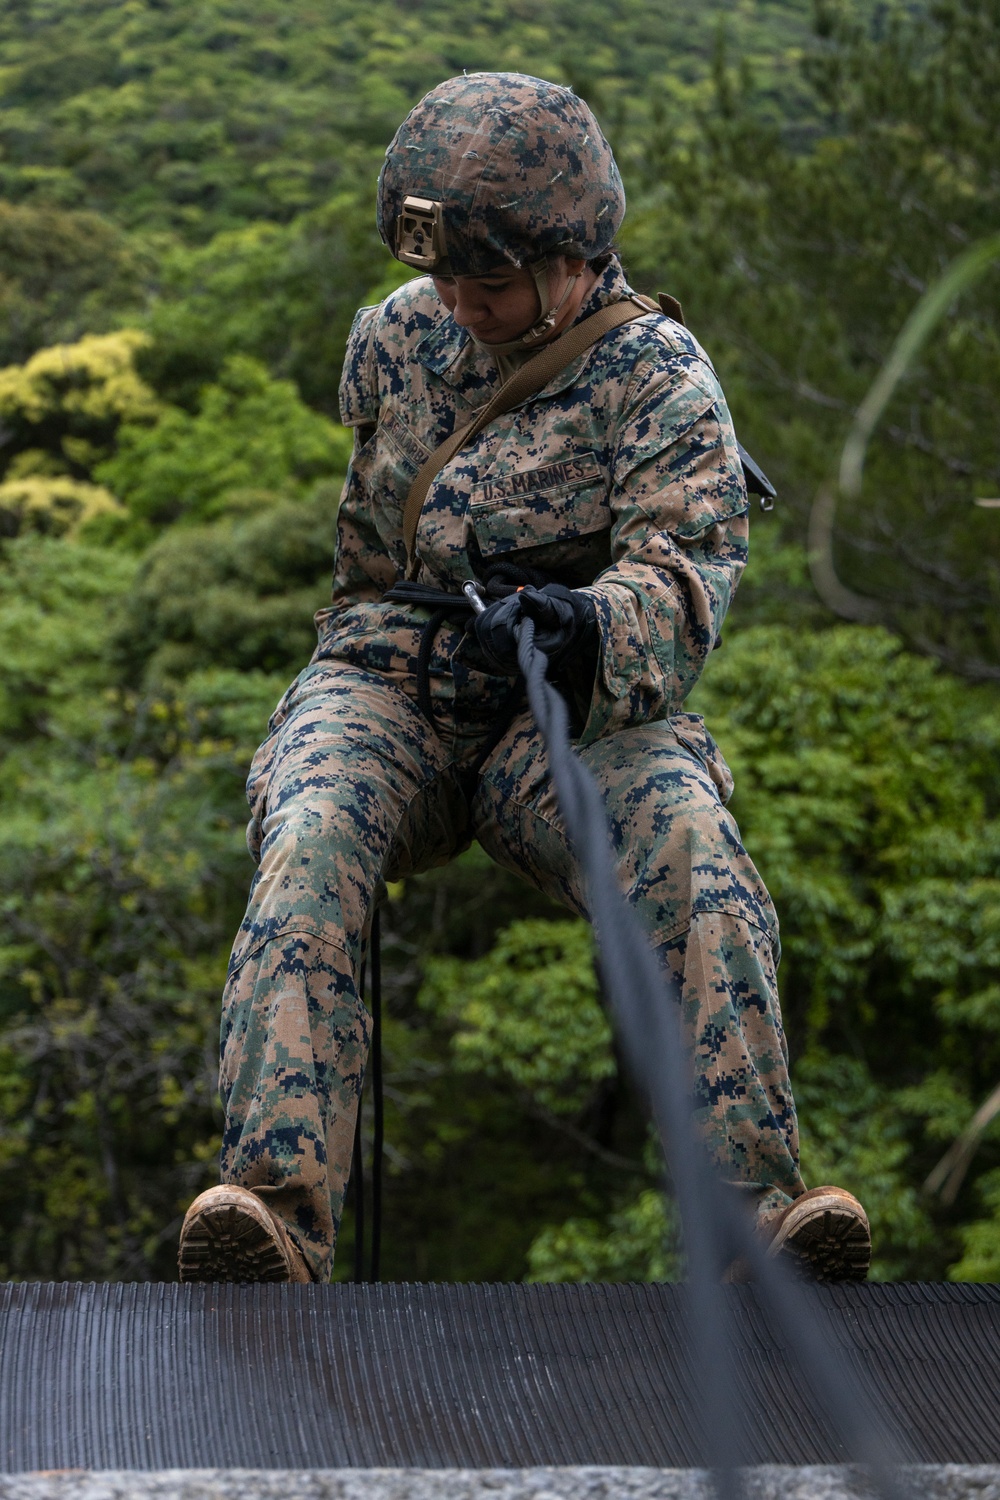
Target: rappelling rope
{"x": 646, "y": 1004}
{"x": 378, "y": 1099}
{"x": 374, "y": 965}
{"x": 358, "y": 1175}
{"x": 645, "y": 1001}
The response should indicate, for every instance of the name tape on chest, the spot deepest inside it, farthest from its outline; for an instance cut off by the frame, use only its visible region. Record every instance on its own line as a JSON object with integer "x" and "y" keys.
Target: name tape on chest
{"x": 402, "y": 439}
{"x": 577, "y": 470}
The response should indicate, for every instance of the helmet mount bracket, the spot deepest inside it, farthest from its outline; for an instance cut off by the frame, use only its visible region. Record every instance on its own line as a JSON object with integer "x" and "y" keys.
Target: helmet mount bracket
{"x": 420, "y": 234}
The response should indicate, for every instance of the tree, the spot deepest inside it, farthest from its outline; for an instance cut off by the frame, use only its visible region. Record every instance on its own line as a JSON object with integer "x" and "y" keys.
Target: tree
{"x": 60, "y": 413}
{"x": 799, "y": 268}
{"x": 251, "y": 439}
{"x": 63, "y": 274}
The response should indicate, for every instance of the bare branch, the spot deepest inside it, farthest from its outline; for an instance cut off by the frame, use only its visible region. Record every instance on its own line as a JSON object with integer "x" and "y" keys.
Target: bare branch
{"x": 580, "y": 1137}
{"x": 834, "y": 594}
{"x": 949, "y": 1174}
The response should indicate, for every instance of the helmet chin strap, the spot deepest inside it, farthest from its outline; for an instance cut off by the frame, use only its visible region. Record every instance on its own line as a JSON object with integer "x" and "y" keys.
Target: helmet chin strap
{"x": 548, "y": 316}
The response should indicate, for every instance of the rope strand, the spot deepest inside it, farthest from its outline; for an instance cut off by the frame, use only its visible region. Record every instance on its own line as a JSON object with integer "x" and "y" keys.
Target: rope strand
{"x": 358, "y": 1177}
{"x": 378, "y": 1099}
{"x": 646, "y": 1004}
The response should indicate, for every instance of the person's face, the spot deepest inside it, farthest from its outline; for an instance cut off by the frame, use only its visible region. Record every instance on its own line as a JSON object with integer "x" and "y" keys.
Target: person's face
{"x": 502, "y": 305}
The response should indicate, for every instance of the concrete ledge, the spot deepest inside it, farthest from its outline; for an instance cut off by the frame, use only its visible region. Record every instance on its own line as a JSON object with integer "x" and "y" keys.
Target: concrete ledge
{"x": 928, "y": 1482}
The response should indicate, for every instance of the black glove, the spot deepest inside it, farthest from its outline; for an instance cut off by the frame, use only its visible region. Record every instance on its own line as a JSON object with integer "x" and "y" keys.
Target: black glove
{"x": 565, "y": 623}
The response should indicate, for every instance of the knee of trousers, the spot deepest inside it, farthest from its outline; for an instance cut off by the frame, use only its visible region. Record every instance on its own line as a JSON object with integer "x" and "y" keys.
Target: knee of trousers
{"x": 333, "y": 826}
{"x": 339, "y": 772}
{"x": 677, "y": 850}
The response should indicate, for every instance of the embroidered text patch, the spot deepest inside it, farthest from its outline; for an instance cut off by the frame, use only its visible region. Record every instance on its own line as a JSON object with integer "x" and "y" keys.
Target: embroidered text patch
{"x": 402, "y": 438}
{"x": 548, "y": 477}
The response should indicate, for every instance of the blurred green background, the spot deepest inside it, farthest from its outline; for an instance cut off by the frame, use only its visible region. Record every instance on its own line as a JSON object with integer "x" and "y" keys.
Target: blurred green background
{"x": 186, "y": 229}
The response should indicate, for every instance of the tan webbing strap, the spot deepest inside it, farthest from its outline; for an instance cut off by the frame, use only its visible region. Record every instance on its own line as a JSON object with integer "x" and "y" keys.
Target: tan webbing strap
{"x": 671, "y": 307}
{"x": 529, "y": 379}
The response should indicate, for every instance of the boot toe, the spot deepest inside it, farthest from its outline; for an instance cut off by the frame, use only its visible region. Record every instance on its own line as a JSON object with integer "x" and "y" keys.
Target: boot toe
{"x": 228, "y": 1235}
{"x": 825, "y": 1236}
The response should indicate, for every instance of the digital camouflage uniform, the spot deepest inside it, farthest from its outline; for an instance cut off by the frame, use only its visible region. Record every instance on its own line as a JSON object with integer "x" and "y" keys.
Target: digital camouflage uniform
{"x": 622, "y": 478}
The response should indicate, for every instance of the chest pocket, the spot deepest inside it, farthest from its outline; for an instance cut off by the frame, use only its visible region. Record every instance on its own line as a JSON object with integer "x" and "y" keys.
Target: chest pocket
{"x": 519, "y": 509}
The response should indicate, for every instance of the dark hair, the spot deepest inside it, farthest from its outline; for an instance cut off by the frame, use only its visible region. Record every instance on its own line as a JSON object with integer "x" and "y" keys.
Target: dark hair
{"x": 599, "y": 263}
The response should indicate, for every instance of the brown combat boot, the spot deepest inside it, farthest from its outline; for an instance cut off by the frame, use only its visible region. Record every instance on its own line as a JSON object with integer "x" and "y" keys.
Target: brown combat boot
{"x": 825, "y": 1231}
{"x": 823, "y": 1236}
{"x": 228, "y": 1235}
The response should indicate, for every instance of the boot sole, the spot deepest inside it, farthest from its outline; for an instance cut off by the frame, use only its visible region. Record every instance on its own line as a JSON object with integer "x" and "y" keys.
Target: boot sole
{"x": 227, "y": 1244}
{"x": 828, "y": 1245}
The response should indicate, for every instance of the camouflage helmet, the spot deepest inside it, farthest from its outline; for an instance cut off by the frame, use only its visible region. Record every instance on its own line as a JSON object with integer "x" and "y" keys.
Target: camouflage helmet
{"x": 498, "y": 168}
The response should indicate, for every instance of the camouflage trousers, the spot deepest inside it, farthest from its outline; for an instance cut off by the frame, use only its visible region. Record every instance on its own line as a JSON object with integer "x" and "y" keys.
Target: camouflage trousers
{"x": 354, "y": 787}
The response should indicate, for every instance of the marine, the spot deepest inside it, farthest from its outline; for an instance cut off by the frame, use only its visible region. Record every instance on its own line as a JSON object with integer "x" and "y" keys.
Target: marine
{"x": 610, "y": 507}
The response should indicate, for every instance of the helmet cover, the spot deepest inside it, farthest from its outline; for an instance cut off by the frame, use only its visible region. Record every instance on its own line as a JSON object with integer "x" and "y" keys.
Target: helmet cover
{"x": 494, "y": 169}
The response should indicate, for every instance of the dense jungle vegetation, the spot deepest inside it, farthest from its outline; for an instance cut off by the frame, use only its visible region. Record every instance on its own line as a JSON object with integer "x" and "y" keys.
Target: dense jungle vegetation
{"x": 186, "y": 228}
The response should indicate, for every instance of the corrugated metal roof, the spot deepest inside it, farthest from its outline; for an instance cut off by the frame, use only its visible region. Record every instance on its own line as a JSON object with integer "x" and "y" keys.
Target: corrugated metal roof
{"x": 500, "y": 1376}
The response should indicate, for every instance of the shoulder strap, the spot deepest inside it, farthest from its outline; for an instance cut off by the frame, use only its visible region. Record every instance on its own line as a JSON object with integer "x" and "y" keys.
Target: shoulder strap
{"x": 671, "y": 307}
{"x": 527, "y": 381}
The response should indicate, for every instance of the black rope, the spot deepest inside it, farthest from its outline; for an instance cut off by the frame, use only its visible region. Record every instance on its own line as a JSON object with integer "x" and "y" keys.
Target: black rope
{"x": 358, "y": 1178}
{"x": 502, "y": 579}
{"x": 646, "y": 1003}
{"x": 378, "y": 1100}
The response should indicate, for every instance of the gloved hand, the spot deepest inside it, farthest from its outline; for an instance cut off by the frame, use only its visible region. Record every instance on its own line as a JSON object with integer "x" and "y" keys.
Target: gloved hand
{"x": 565, "y": 623}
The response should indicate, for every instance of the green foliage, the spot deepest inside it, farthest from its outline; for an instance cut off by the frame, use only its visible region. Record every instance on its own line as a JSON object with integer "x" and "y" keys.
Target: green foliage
{"x": 62, "y": 274}
{"x": 981, "y": 1239}
{"x": 251, "y": 439}
{"x": 854, "y": 1135}
{"x": 120, "y": 873}
{"x": 866, "y": 787}
{"x": 207, "y": 114}
{"x": 638, "y": 1243}
{"x": 53, "y": 504}
{"x": 528, "y": 1012}
{"x": 106, "y": 1017}
{"x": 55, "y": 603}
{"x": 240, "y": 144}
{"x": 477, "y": 1163}
{"x": 92, "y": 384}
{"x": 799, "y": 267}
{"x": 62, "y": 409}
{"x": 239, "y": 594}
{"x": 269, "y": 290}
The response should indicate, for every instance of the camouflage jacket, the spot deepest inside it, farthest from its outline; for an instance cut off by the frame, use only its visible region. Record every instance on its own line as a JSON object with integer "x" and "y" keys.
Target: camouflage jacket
{"x": 621, "y": 476}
